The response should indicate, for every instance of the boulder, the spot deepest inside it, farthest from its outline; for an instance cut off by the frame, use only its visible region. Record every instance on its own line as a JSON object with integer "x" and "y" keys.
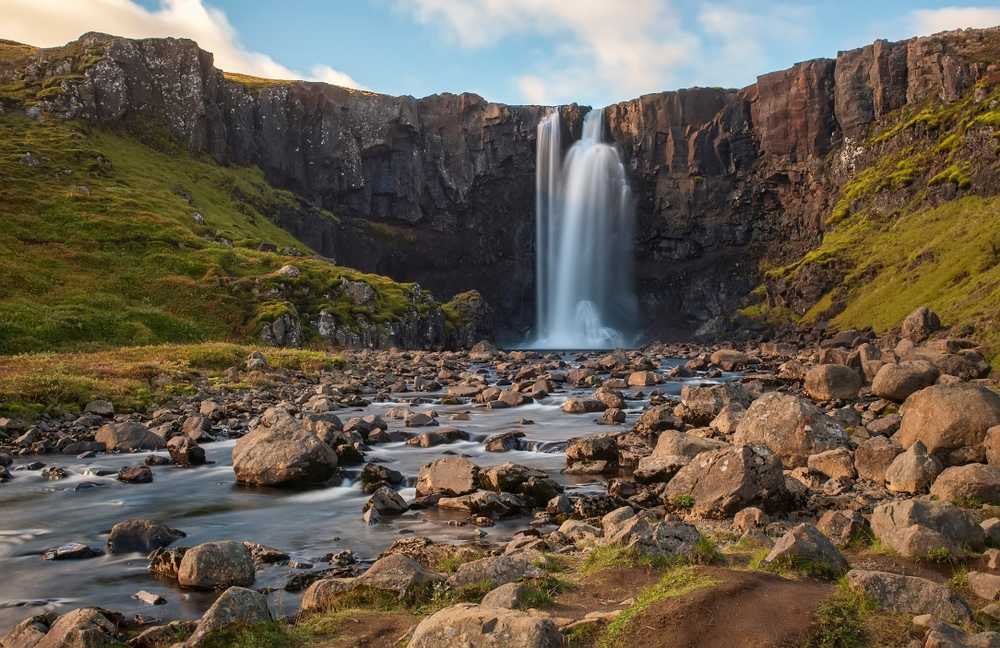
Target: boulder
{"x": 806, "y": 543}
{"x": 873, "y": 458}
{"x": 386, "y": 501}
{"x": 185, "y": 451}
{"x": 729, "y": 359}
{"x": 951, "y": 420}
{"x": 451, "y": 476}
{"x": 792, "y": 428}
{"x": 664, "y": 539}
{"x": 991, "y": 445}
{"x": 912, "y": 471}
{"x": 281, "y": 452}
{"x": 602, "y": 446}
{"x": 833, "y": 463}
{"x": 910, "y": 595}
{"x": 976, "y": 482}
{"x": 985, "y": 585}
{"x": 81, "y": 628}
{"x": 947, "y": 635}
{"x": 236, "y": 605}
{"x": 467, "y": 625}
{"x": 507, "y": 596}
{"x": 397, "y": 573}
{"x": 728, "y": 419}
{"x": 893, "y": 520}
{"x": 700, "y": 405}
{"x": 657, "y": 419}
{"x": 320, "y": 594}
{"x": 216, "y": 565}
{"x": 498, "y": 570}
{"x": 897, "y": 381}
{"x": 841, "y": 526}
{"x": 128, "y": 437}
{"x": 100, "y": 408}
{"x": 832, "y": 382}
{"x": 141, "y": 536}
{"x": 583, "y": 405}
{"x": 750, "y": 518}
{"x": 723, "y": 482}
{"x": 137, "y": 475}
{"x": 919, "y": 324}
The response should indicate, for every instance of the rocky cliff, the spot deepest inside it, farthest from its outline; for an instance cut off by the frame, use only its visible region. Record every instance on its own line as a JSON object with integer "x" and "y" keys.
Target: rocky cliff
{"x": 440, "y": 190}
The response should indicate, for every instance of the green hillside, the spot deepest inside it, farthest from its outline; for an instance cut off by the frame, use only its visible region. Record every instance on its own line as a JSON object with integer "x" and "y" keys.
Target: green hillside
{"x": 99, "y": 244}
{"x": 944, "y": 256}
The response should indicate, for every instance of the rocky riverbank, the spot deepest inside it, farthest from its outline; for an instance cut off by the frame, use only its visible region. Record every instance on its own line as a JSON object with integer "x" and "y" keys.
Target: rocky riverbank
{"x": 807, "y": 455}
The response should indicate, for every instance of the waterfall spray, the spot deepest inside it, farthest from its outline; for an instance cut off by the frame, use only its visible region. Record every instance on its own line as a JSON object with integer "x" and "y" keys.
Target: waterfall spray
{"x": 584, "y": 222}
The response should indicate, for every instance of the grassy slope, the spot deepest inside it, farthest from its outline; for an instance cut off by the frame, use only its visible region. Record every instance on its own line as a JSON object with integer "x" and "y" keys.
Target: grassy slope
{"x": 946, "y": 258}
{"x": 126, "y": 264}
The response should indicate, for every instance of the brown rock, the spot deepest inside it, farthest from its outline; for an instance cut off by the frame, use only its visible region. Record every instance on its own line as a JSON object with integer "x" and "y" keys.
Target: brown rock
{"x": 951, "y": 421}
{"x": 792, "y": 428}
{"x": 451, "y": 476}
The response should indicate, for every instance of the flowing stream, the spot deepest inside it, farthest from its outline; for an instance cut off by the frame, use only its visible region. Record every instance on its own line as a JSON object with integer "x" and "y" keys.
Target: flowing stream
{"x": 584, "y": 224}
{"x": 207, "y": 504}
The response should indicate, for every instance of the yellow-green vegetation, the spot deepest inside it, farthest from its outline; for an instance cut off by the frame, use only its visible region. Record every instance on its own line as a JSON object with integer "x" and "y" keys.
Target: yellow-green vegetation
{"x": 66, "y": 63}
{"x": 676, "y": 582}
{"x": 609, "y": 556}
{"x": 945, "y": 257}
{"x": 99, "y": 245}
{"x": 252, "y": 83}
{"x": 853, "y": 619}
{"x": 131, "y": 377}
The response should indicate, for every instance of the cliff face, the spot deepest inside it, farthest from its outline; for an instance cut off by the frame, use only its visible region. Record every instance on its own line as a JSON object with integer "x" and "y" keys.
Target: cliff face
{"x": 441, "y": 190}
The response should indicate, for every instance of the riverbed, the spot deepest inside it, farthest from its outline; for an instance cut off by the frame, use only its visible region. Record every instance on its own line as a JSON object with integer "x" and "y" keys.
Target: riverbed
{"x": 206, "y": 503}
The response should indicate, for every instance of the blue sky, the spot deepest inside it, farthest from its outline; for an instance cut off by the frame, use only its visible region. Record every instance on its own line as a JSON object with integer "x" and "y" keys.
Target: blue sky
{"x": 593, "y": 52}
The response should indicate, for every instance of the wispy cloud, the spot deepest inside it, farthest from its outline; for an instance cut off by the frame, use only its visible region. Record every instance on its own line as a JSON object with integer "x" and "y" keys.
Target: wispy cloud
{"x": 47, "y": 23}
{"x": 620, "y": 49}
{"x": 931, "y": 21}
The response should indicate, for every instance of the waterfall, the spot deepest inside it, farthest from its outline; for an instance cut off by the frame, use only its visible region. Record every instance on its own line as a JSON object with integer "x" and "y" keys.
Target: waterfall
{"x": 584, "y": 222}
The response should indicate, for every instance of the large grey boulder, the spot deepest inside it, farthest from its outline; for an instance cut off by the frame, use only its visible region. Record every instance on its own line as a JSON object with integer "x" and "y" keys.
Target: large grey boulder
{"x": 951, "y": 420}
{"x": 281, "y": 452}
{"x": 792, "y": 428}
{"x": 902, "y": 525}
{"x": 874, "y": 456}
{"x": 506, "y": 596}
{"x": 673, "y": 451}
{"x": 451, "y": 476}
{"x": 498, "y": 570}
{"x": 81, "y": 628}
{"x": 723, "y": 482}
{"x": 897, "y": 381}
{"x": 700, "y": 405}
{"x": 216, "y": 565}
{"x": 397, "y": 573}
{"x": 477, "y": 626}
{"x": 910, "y": 595}
{"x": 912, "y": 472}
{"x": 947, "y": 635}
{"x": 806, "y": 543}
{"x": 833, "y": 382}
{"x": 320, "y": 594}
{"x": 236, "y": 605}
{"x": 977, "y": 482}
{"x": 919, "y": 324}
{"x": 141, "y": 536}
{"x": 128, "y": 437}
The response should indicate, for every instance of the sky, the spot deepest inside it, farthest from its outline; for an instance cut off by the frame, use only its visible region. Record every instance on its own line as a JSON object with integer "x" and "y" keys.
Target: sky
{"x": 592, "y": 52}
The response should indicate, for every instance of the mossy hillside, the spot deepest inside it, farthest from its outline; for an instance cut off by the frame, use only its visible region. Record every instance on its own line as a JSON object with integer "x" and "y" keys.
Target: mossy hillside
{"x": 124, "y": 262}
{"x": 944, "y": 257}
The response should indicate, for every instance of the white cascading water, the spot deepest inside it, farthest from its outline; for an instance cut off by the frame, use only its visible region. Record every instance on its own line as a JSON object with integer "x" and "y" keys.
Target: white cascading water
{"x": 584, "y": 221}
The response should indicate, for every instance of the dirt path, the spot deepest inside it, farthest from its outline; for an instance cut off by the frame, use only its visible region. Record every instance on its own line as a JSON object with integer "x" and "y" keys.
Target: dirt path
{"x": 748, "y": 610}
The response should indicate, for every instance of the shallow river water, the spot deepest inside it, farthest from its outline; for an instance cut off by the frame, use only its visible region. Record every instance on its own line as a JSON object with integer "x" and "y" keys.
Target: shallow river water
{"x": 206, "y": 503}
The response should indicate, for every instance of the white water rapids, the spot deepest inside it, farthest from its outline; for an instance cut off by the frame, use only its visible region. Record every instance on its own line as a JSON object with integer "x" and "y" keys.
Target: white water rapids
{"x": 584, "y": 221}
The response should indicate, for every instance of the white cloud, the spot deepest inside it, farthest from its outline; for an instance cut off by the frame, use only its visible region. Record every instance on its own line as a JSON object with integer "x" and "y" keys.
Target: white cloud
{"x": 621, "y": 49}
{"x": 931, "y": 21}
{"x": 48, "y": 23}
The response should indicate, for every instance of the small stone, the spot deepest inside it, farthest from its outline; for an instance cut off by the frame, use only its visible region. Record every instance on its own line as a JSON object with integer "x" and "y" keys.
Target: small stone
{"x": 148, "y": 597}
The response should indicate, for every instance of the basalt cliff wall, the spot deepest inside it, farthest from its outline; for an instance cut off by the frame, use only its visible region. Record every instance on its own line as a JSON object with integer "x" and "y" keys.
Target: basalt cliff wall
{"x": 441, "y": 190}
